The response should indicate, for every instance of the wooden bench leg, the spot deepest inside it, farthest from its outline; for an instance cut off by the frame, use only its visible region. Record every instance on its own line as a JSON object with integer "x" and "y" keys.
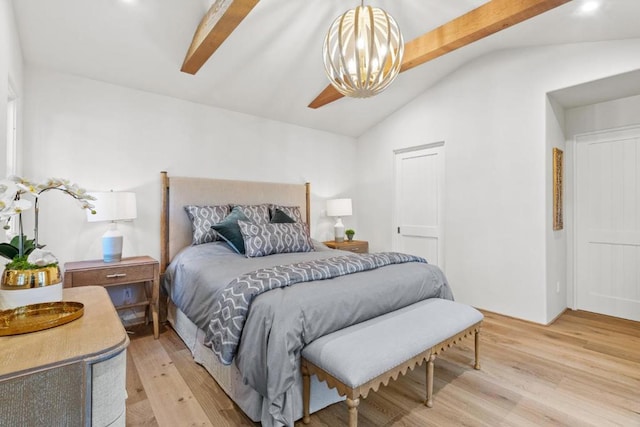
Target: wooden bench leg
{"x": 429, "y": 401}
{"x": 352, "y": 404}
{"x": 477, "y": 364}
{"x": 306, "y": 393}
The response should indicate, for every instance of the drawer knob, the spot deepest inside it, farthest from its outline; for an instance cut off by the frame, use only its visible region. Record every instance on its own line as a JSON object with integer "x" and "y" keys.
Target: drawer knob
{"x": 116, "y": 275}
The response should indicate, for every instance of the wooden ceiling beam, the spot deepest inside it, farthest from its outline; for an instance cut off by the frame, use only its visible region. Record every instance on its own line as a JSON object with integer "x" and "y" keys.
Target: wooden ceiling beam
{"x": 218, "y": 23}
{"x": 477, "y": 24}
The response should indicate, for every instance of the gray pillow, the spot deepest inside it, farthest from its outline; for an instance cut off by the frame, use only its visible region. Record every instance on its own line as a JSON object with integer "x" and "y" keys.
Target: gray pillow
{"x": 256, "y": 213}
{"x": 268, "y": 239}
{"x": 202, "y": 218}
{"x": 230, "y": 231}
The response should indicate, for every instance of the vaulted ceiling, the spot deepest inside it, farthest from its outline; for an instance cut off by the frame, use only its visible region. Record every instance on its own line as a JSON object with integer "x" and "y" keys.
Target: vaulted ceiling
{"x": 271, "y": 65}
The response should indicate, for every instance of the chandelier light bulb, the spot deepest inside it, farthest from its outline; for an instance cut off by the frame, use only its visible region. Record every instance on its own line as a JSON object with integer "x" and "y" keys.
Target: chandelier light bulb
{"x": 363, "y": 51}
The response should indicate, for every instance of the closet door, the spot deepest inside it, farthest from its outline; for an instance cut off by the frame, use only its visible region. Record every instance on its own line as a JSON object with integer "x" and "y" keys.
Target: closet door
{"x": 608, "y": 223}
{"x": 419, "y": 185}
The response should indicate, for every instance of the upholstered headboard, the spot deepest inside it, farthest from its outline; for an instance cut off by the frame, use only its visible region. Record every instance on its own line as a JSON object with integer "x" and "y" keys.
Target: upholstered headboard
{"x": 177, "y": 192}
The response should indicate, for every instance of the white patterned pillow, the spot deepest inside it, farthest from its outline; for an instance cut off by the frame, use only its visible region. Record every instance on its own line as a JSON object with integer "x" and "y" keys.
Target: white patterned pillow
{"x": 268, "y": 239}
{"x": 292, "y": 212}
{"x": 202, "y": 218}
{"x": 256, "y": 213}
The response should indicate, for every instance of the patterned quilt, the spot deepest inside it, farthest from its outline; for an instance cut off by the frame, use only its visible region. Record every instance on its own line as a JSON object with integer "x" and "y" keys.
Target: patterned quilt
{"x": 232, "y": 305}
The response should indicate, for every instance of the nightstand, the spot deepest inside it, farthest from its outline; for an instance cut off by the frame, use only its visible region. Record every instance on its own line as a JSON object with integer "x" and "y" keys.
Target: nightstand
{"x": 142, "y": 270}
{"x": 357, "y": 246}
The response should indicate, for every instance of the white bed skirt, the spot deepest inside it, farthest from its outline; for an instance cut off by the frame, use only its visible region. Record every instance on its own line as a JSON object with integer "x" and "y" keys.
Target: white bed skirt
{"x": 230, "y": 379}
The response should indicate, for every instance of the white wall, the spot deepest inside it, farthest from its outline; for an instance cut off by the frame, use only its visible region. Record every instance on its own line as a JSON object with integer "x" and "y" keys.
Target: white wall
{"x": 556, "y": 256}
{"x": 11, "y": 70}
{"x": 492, "y": 115}
{"x": 106, "y": 137}
{"x": 605, "y": 115}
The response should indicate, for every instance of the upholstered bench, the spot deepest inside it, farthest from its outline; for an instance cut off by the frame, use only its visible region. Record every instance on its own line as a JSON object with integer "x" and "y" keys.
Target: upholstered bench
{"x": 360, "y": 358}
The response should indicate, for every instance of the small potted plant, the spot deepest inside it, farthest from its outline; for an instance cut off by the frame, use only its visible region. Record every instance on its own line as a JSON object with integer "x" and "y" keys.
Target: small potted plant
{"x": 349, "y": 232}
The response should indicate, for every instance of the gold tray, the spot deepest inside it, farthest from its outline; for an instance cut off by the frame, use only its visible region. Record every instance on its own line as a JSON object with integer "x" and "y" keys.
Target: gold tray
{"x": 36, "y": 317}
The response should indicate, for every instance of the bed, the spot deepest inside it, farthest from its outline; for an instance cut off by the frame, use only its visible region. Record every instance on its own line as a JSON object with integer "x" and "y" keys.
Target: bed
{"x": 264, "y": 375}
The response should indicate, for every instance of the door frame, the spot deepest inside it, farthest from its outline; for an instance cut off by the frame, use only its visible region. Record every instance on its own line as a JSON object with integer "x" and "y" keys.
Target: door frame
{"x": 441, "y": 211}
{"x": 10, "y": 150}
{"x": 572, "y": 239}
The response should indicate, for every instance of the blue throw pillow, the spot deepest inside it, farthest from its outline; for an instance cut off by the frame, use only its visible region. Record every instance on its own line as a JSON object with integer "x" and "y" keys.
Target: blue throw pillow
{"x": 292, "y": 212}
{"x": 229, "y": 230}
{"x": 279, "y": 217}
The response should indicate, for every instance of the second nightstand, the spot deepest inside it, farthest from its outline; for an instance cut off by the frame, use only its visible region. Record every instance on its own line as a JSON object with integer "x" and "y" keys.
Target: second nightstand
{"x": 142, "y": 270}
{"x": 357, "y": 246}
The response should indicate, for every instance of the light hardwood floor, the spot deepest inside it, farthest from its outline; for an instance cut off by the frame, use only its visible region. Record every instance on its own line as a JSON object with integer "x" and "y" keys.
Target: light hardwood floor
{"x": 583, "y": 370}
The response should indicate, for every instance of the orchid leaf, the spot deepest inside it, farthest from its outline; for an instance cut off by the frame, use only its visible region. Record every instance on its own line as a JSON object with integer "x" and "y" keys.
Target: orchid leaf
{"x": 27, "y": 244}
{"x": 16, "y": 240}
{"x": 8, "y": 251}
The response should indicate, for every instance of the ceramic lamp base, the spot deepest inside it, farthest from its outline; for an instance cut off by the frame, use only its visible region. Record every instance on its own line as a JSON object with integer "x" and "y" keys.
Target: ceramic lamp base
{"x": 338, "y": 230}
{"x": 112, "y": 245}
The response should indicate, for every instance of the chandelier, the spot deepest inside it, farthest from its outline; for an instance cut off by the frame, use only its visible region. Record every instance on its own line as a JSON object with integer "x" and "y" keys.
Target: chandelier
{"x": 363, "y": 51}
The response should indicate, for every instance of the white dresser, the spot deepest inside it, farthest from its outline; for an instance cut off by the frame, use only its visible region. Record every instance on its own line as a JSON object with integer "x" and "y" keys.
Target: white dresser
{"x": 70, "y": 375}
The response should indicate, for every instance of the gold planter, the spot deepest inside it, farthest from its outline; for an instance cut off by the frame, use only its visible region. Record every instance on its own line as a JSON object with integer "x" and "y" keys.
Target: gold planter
{"x": 34, "y": 278}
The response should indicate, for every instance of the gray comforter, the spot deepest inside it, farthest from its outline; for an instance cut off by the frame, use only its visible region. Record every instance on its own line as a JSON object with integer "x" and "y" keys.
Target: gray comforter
{"x": 233, "y": 303}
{"x": 282, "y": 321}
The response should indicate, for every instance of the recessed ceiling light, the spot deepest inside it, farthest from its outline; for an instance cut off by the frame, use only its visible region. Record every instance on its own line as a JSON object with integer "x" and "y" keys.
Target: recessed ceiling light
{"x": 590, "y": 6}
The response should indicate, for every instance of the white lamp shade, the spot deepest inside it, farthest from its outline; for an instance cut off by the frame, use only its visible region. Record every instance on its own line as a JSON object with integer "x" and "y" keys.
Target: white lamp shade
{"x": 339, "y": 207}
{"x": 113, "y": 206}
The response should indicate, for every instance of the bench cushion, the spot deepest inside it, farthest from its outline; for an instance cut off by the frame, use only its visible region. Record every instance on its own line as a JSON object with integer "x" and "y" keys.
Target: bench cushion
{"x": 360, "y": 353}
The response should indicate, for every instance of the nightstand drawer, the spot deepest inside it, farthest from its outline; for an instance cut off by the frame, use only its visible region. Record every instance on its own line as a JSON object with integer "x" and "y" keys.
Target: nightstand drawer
{"x": 113, "y": 275}
{"x": 356, "y": 246}
{"x": 359, "y": 249}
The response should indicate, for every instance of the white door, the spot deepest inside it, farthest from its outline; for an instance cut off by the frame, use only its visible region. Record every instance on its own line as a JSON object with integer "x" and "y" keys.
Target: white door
{"x": 419, "y": 184}
{"x": 608, "y": 223}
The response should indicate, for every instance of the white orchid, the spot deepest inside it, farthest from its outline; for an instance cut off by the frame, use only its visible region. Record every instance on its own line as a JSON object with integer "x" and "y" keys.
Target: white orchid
{"x": 19, "y": 206}
{"x": 26, "y": 187}
{"x": 64, "y": 185}
{"x": 11, "y": 203}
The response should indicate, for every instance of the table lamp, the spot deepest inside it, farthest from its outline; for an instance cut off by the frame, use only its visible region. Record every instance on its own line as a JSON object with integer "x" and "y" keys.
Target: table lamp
{"x": 113, "y": 206}
{"x": 339, "y": 208}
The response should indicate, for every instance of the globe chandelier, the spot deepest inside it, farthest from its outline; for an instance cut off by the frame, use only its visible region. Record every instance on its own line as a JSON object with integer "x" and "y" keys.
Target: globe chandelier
{"x": 363, "y": 51}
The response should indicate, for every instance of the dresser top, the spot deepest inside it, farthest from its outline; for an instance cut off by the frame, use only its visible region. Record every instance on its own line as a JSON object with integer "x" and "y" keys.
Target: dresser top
{"x": 98, "y": 333}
